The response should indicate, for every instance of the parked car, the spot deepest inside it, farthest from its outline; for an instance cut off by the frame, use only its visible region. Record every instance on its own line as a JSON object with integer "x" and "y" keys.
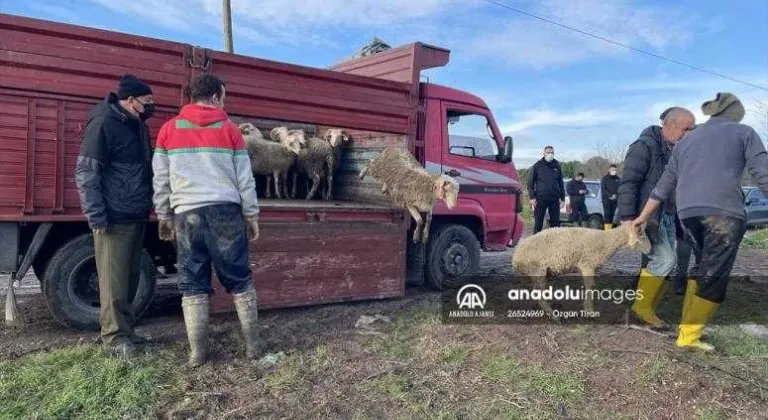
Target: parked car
{"x": 756, "y": 206}
{"x": 594, "y": 202}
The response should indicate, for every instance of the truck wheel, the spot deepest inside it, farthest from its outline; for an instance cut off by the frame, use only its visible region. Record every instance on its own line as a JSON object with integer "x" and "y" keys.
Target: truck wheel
{"x": 595, "y": 222}
{"x": 72, "y": 286}
{"x": 452, "y": 254}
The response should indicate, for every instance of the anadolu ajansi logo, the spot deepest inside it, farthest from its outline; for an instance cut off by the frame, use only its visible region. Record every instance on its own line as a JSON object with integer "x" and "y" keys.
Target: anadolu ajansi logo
{"x": 471, "y": 302}
{"x": 471, "y": 296}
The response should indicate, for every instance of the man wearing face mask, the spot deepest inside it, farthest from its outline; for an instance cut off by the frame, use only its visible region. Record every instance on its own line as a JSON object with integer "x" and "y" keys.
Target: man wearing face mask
{"x": 609, "y": 188}
{"x": 546, "y": 189}
{"x": 205, "y": 196}
{"x": 577, "y": 192}
{"x": 114, "y": 181}
{"x": 643, "y": 165}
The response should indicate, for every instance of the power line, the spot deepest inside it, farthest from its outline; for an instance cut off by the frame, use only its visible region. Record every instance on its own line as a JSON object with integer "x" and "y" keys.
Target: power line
{"x": 629, "y": 47}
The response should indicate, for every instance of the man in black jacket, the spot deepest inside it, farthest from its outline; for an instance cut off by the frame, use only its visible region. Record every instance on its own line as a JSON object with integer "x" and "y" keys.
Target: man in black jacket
{"x": 609, "y": 188}
{"x": 546, "y": 189}
{"x": 643, "y": 166}
{"x": 577, "y": 192}
{"x": 114, "y": 181}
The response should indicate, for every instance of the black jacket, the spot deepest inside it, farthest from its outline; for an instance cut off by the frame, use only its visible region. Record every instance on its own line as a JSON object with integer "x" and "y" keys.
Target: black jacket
{"x": 643, "y": 165}
{"x": 114, "y": 168}
{"x": 546, "y": 181}
{"x": 609, "y": 186}
{"x": 573, "y": 189}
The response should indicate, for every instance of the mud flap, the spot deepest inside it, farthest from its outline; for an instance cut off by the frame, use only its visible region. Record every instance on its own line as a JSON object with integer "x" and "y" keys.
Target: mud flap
{"x": 414, "y": 267}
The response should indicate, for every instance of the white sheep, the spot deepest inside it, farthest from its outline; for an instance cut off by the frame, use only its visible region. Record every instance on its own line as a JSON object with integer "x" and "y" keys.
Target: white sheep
{"x": 312, "y": 161}
{"x": 336, "y": 138}
{"x": 563, "y": 250}
{"x": 272, "y": 158}
{"x": 248, "y": 129}
{"x": 279, "y": 134}
{"x": 410, "y": 185}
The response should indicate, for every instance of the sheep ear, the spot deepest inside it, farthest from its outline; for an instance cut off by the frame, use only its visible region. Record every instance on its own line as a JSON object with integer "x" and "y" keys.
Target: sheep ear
{"x": 440, "y": 185}
{"x": 327, "y": 137}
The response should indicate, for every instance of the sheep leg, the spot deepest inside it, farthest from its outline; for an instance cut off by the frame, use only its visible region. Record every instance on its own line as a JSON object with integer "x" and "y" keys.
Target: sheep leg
{"x": 384, "y": 189}
{"x": 267, "y": 186}
{"x": 588, "y": 274}
{"x": 539, "y": 280}
{"x": 329, "y": 181}
{"x": 284, "y": 182}
{"x": 276, "y": 176}
{"x": 363, "y": 172}
{"x": 295, "y": 182}
{"x": 315, "y": 185}
{"x": 427, "y": 224}
{"x": 417, "y": 217}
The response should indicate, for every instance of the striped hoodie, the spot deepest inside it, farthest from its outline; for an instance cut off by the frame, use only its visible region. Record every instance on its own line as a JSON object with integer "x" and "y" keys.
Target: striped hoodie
{"x": 200, "y": 159}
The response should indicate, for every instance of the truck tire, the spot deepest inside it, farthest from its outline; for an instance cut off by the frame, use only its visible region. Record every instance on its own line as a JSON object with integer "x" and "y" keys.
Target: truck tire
{"x": 453, "y": 254}
{"x": 72, "y": 287}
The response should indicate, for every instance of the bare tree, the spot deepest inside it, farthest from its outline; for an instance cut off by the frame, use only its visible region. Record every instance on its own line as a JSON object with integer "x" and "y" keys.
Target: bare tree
{"x": 613, "y": 152}
{"x": 761, "y": 108}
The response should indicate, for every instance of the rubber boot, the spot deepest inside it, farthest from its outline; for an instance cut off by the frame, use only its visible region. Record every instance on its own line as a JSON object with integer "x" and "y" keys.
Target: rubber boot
{"x": 692, "y": 327}
{"x": 692, "y": 288}
{"x": 652, "y": 288}
{"x": 607, "y": 226}
{"x": 245, "y": 303}
{"x": 196, "y": 314}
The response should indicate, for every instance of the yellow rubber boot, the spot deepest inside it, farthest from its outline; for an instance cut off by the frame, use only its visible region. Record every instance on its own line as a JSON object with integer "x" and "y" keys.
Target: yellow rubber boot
{"x": 699, "y": 311}
{"x": 652, "y": 288}
{"x": 607, "y": 226}
{"x": 690, "y": 290}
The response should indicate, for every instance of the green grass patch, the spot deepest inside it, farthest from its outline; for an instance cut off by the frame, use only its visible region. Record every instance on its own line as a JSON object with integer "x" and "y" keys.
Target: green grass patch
{"x": 81, "y": 382}
{"x": 286, "y": 376}
{"x": 456, "y": 355}
{"x": 656, "y": 370}
{"x": 710, "y": 413}
{"x": 398, "y": 389}
{"x": 756, "y": 240}
{"x": 405, "y": 330}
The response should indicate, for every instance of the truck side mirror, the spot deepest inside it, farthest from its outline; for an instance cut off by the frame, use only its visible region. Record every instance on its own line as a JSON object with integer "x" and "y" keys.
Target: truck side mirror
{"x": 507, "y": 149}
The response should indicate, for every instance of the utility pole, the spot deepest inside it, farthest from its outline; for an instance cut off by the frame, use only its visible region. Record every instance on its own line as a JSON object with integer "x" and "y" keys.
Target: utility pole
{"x": 227, "y": 12}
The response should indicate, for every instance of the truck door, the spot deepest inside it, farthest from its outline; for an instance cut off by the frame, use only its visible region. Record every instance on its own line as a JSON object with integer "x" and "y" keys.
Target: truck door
{"x": 470, "y": 150}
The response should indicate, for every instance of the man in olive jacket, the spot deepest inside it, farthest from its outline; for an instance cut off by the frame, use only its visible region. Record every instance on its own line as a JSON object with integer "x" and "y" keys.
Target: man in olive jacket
{"x": 114, "y": 181}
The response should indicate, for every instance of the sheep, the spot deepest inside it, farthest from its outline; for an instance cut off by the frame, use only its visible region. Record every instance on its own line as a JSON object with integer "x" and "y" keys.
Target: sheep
{"x": 276, "y": 135}
{"x": 272, "y": 158}
{"x": 564, "y": 250}
{"x": 337, "y": 138}
{"x": 248, "y": 129}
{"x": 410, "y": 185}
{"x": 312, "y": 161}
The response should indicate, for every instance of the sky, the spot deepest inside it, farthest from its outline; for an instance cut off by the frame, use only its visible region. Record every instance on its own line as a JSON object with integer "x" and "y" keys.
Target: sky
{"x": 544, "y": 84}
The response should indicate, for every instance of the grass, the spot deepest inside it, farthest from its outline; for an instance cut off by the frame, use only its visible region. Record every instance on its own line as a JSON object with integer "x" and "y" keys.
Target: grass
{"x": 756, "y": 240}
{"x": 80, "y": 382}
{"x": 656, "y": 370}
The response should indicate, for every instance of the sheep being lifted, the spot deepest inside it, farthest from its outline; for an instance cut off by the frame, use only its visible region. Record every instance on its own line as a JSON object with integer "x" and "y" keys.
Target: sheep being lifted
{"x": 411, "y": 186}
{"x": 563, "y": 250}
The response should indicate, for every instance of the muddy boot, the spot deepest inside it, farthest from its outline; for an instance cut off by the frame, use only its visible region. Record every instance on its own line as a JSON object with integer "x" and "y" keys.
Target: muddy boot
{"x": 195, "y": 310}
{"x": 245, "y": 303}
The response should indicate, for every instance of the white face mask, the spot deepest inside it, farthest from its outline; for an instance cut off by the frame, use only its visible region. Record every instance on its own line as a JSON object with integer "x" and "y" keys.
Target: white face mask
{"x": 549, "y": 157}
{"x": 613, "y": 173}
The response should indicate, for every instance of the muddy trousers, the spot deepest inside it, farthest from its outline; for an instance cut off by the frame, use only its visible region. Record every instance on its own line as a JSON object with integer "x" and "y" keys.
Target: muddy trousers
{"x": 212, "y": 236}
{"x": 716, "y": 240}
{"x": 118, "y": 264}
{"x": 542, "y": 207}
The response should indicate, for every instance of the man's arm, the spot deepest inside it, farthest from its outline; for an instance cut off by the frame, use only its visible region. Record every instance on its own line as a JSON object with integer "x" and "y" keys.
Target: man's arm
{"x": 604, "y": 189}
{"x": 90, "y": 162}
{"x": 757, "y": 160}
{"x": 245, "y": 182}
{"x": 665, "y": 187}
{"x": 636, "y": 164}
{"x": 161, "y": 181}
{"x": 572, "y": 189}
{"x": 560, "y": 183}
{"x": 532, "y": 183}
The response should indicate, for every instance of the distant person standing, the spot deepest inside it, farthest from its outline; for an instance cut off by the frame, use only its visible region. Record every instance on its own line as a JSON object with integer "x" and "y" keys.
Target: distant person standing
{"x": 609, "y": 187}
{"x": 577, "y": 193}
{"x": 546, "y": 189}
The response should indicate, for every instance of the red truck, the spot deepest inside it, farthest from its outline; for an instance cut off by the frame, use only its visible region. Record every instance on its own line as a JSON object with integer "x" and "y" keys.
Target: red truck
{"x": 354, "y": 247}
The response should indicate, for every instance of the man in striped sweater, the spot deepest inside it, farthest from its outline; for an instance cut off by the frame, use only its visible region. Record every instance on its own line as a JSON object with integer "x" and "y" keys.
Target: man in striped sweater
{"x": 205, "y": 198}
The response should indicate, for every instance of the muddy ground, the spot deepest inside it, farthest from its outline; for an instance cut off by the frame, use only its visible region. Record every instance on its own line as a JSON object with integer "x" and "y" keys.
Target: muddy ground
{"x": 418, "y": 367}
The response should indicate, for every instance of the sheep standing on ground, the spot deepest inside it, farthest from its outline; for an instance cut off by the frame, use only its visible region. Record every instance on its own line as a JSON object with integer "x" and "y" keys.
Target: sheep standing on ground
{"x": 564, "y": 250}
{"x": 278, "y": 134}
{"x": 336, "y": 138}
{"x": 411, "y": 186}
{"x": 272, "y": 158}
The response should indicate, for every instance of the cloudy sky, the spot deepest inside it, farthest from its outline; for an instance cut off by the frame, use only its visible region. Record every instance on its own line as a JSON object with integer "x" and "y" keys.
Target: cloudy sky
{"x": 545, "y": 85}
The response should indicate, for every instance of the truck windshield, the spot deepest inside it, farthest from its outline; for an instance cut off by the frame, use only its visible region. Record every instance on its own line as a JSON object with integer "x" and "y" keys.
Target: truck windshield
{"x": 470, "y": 135}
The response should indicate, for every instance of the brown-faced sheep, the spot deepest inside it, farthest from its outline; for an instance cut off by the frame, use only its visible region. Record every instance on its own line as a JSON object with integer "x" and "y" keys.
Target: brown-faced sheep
{"x": 272, "y": 158}
{"x": 563, "y": 250}
{"x": 411, "y": 186}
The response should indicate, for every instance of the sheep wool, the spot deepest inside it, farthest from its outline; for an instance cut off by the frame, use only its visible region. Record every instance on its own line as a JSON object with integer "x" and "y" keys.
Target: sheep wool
{"x": 272, "y": 158}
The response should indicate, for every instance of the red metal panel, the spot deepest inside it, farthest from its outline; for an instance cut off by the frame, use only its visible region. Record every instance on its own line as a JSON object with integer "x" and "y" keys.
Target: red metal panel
{"x": 402, "y": 64}
{"x": 312, "y": 263}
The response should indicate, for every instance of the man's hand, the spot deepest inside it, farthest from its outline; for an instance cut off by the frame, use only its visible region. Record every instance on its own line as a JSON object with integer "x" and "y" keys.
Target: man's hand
{"x": 533, "y": 202}
{"x": 165, "y": 230}
{"x": 252, "y": 224}
{"x": 99, "y": 231}
{"x": 582, "y": 191}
